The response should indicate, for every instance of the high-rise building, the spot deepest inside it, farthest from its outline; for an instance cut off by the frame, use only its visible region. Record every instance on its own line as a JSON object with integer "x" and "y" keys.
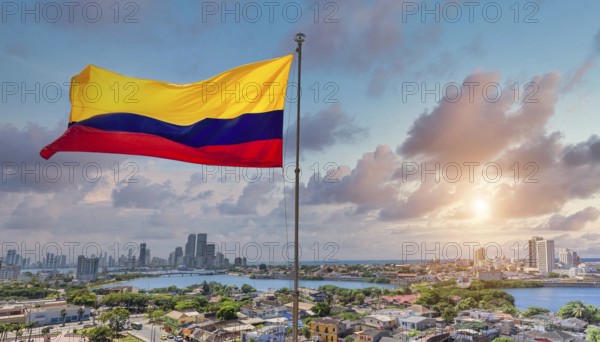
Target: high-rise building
{"x": 576, "y": 259}
{"x": 201, "y": 249}
{"x": 190, "y": 251}
{"x": 219, "y": 259}
{"x": 142, "y": 258}
{"x": 479, "y": 257}
{"x": 178, "y": 256}
{"x": 545, "y": 256}
{"x": 209, "y": 258}
{"x": 532, "y": 251}
{"x": 11, "y": 257}
{"x": 87, "y": 268}
{"x": 566, "y": 257}
{"x": 10, "y": 272}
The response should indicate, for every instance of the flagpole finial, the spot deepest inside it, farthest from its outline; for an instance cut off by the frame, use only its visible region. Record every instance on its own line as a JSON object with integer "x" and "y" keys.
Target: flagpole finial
{"x": 300, "y": 37}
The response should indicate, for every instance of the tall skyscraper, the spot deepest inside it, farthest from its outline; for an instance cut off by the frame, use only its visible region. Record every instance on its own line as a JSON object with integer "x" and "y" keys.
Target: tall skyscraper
{"x": 479, "y": 258}
{"x": 178, "y": 256}
{"x": 545, "y": 256}
{"x": 532, "y": 251}
{"x": 87, "y": 268}
{"x": 566, "y": 257}
{"x": 576, "y": 259}
{"x": 201, "y": 250}
{"x": 11, "y": 257}
{"x": 142, "y": 258}
{"x": 190, "y": 251}
{"x": 210, "y": 255}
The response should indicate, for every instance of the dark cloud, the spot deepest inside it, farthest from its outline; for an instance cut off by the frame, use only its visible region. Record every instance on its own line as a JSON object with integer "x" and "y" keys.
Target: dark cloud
{"x": 366, "y": 38}
{"x": 24, "y": 171}
{"x": 473, "y": 128}
{"x": 367, "y": 186}
{"x": 142, "y": 194}
{"x": 573, "y": 222}
{"x": 582, "y": 153}
{"x": 550, "y": 175}
{"x": 29, "y": 214}
{"x": 326, "y": 128}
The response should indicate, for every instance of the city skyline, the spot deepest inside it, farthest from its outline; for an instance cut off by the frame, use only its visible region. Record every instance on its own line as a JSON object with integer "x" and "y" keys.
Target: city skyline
{"x": 479, "y": 254}
{"x": 419, "y": 127}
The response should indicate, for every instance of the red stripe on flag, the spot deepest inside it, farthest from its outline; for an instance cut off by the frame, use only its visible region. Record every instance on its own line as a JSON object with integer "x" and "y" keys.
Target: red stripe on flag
{"x": 261, "y": 153}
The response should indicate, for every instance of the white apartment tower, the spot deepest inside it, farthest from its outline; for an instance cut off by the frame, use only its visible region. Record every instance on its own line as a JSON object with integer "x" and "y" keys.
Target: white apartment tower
{"x": 545, "y": 256}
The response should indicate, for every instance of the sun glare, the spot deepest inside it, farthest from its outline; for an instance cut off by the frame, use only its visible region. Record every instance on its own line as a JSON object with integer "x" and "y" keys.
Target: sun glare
{"x": 481, "y": 207}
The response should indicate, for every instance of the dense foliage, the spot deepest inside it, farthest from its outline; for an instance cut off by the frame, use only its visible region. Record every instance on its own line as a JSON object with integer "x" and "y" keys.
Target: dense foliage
{"x": 578, "y": 309}
{"x": 21, "y": 291}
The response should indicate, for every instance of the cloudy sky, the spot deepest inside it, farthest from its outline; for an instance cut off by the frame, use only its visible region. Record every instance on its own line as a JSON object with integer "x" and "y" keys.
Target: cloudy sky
{"x": 427, "y": 128}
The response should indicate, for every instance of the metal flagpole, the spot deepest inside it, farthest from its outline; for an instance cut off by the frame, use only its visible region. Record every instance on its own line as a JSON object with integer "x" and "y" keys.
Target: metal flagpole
{"x": 299, "y": 38}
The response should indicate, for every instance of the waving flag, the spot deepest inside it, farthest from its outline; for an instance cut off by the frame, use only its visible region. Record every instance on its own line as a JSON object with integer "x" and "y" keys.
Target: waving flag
{"x": 232, "y": 119}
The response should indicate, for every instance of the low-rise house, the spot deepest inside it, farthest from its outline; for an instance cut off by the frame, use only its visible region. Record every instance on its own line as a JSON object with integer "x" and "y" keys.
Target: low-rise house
{"x": 489, "y": 275}
{"x": 572, "y": 324}
{"x": 400, "y": 299}
{"x": 52, "y": 314}
{"x": 392, "y": 339}
{"x": 372, "y": 335}
{"x": 273, "y": 333}
{"x": 304, "y": 308}
{"x": 421, "y": 310}
{"x": 380, "y": 321}
{"x": 551, "y": 336}
{"x": 13, "y": 315}
{"x": 118, "y": 289}
{"x": 217, "y": 331}
{"x": 416, "y": 323}
{"x": 326, "y": 329}
{"x": 176, "y": 320}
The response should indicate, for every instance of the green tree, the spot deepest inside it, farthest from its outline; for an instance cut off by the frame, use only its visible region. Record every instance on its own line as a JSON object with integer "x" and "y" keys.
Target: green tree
{"x": 578, "y": 309}
{"x": 247, "y": 288}
{"x": 3, "y": 331}
{"x": 29, "y": 326}
{"x": 185, "y": 305}
{"x": 306, "y": 332}
{"x": 509, "y": 309}
{"x": 428, "y": 297}
{"x": 63, "y": 315}
{"x": 227, "y": 312}
{"x": 534, "y": 310}
{"x": 157, "y": 316}
{"x": 284, "y": 290}
{"x": 17, "y": 329}
{"x": 98, "y": 334}
{"x": 80, "y": 313}
{"x": 205, "y": 288}
{"x": 116, "y": 319}
{"x": 82, "y": 297}
{"x": 467, "y": 303}
{"x": 449, "y": 314}
{"x": 502, "y": 339}
{"x": 321, "y": 309}
{"x": 592, "y": 333}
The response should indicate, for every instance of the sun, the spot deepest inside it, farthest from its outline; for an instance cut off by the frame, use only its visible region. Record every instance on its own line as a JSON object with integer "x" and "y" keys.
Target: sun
{"x": 481, "y": 207}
